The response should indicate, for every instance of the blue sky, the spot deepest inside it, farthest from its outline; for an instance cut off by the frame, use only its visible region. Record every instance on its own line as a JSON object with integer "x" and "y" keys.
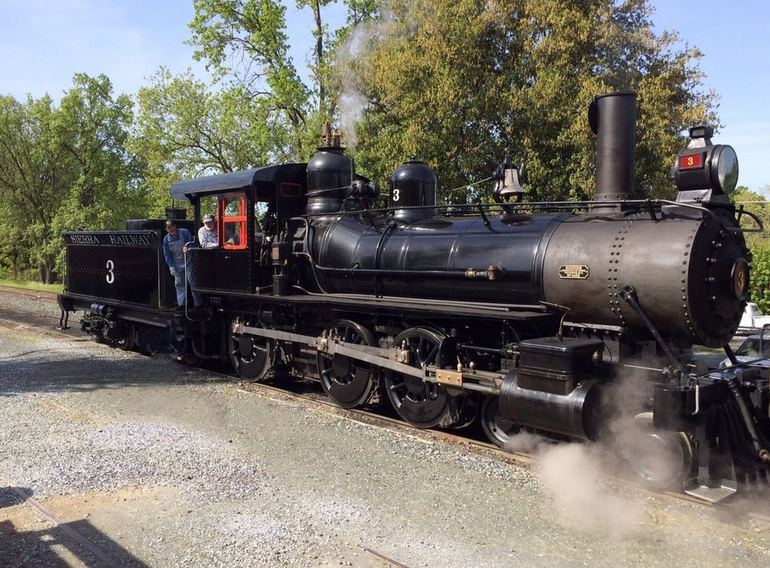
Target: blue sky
{"x": 43, "y": 43}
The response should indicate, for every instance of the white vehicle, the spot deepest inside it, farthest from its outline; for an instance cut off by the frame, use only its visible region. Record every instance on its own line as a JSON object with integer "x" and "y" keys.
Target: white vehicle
{"x": 752, "y": 319}
{"x": 749, "y": 350}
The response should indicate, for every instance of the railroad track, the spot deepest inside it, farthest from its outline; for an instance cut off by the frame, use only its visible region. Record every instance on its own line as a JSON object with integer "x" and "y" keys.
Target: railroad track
{"x": 519, "y": 458}
{"x": 27, "y": 292}
{"x": 746, "y": 506}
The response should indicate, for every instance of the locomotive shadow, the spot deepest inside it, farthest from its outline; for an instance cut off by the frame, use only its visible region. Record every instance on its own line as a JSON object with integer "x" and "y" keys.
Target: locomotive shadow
{"x": 79, "y": 539}
{"x": 30, "y": 372}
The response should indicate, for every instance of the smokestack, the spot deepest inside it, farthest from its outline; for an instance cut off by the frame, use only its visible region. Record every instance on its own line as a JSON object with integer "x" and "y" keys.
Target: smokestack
{"x": 326, "y": 135}
{"x": 612, "y": 118}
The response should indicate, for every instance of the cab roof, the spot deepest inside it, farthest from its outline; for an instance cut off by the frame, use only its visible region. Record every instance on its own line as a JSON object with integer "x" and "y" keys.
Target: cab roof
{"x": 236, "y": 181}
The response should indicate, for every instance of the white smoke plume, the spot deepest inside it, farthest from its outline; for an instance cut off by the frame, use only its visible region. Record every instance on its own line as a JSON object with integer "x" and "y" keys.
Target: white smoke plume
{"x": 572, "y": 475}
{"x": 351, "y": 101}
{"x": 527, "y": 442}
{"x": 575, "y": 475}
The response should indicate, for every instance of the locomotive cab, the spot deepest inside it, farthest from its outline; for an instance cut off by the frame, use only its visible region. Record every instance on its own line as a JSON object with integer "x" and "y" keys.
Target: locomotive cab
{"x": 252, "y": 208}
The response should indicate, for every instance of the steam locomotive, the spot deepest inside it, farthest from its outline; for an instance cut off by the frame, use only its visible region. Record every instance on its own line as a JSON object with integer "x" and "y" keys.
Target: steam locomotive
{"x": 522, "y": 315}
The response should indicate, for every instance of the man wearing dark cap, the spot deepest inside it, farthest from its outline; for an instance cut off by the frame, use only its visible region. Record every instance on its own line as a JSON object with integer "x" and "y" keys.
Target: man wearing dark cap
{"x": 174, "y": 249}
{"x": 207, "y": 234}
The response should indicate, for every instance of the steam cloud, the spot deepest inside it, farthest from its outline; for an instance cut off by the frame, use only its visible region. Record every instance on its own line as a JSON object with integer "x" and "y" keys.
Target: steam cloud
{"x": 351, "y": 101}
{"x": 572, "y": 473}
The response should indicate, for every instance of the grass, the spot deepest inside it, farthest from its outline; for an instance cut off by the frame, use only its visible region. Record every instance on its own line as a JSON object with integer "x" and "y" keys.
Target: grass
{"x": 37, "y": 286}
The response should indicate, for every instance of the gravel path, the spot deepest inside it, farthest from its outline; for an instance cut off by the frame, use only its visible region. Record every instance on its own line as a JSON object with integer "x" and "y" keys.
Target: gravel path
{"x": 159, "y": 465}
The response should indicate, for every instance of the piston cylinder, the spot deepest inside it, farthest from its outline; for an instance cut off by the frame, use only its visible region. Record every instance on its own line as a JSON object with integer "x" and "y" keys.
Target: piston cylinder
{"x": 577, "y": 414}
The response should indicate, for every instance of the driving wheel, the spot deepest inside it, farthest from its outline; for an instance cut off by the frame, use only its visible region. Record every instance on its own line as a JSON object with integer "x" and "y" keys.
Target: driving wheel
{"x": 250, "y": 355}
{"x": 348, "y": 382}
{"x": 421, "y": 403}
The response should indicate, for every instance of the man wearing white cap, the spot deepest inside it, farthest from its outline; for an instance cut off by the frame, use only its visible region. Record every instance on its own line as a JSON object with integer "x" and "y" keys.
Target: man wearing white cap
{"x": 207, "y": 234}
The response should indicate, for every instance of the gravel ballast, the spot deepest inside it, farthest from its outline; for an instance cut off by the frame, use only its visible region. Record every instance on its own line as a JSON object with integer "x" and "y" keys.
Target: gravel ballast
{"x": 159, "y": 465}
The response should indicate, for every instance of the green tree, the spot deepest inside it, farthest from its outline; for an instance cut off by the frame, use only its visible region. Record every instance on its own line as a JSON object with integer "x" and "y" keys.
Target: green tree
{"x": 245, "y": 45}
{"x": 244, "y": 42}
{"x": 93, "y": 127}
{"x": 64, "y": 168}
{"x": 184, "y": 129}
{"x": 462, "y": 84}
{"x": 360, "y": 11}
{"x": 34, "y": 179}
{"x": 319, "y": 67}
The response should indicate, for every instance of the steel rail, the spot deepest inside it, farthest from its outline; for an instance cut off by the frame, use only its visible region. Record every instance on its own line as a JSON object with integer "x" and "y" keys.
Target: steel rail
{"x": 28, "y": 292}
{"x": 69, "y": 531}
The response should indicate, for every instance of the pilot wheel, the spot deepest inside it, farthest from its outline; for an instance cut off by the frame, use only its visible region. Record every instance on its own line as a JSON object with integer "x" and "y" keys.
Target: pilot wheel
{"x": 660, "y": 459}
{"x": 497, "y": 428}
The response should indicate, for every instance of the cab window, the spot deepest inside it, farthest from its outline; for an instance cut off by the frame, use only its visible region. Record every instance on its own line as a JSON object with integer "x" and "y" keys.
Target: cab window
{"x": 231, "y": 209}
{"x": 260, "y": 211}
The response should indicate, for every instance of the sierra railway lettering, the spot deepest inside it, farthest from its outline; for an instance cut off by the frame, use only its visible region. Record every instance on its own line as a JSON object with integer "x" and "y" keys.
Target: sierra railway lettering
{"x": 114, "y": 239}
{"x": 83, "y": 239}
{"x": 130, "y": 239}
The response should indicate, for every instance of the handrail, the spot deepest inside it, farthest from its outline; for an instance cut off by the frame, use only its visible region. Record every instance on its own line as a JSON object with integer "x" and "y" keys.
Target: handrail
{"x": 760, "y": 225}
{"x": 473, "y": 209}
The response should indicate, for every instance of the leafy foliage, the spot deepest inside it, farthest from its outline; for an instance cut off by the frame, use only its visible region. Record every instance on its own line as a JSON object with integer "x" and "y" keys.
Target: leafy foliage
{"x": 245, "y": 42}
{"x": 33, "y": 169}
{"x": 462, "y": 84}
{"x": 759, "y": 245}
{"x": 64, "y": 168}
{"x": 760, "y": 275}
{"x": 185, "y": 130}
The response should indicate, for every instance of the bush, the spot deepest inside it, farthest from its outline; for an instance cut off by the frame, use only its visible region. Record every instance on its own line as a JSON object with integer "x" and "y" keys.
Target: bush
{"x": 760, "y": 274}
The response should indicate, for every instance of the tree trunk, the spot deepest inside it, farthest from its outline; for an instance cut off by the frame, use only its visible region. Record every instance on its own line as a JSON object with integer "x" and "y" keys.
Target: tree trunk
{"x": 319, "y": 53}
{"x": 47, "y": 272}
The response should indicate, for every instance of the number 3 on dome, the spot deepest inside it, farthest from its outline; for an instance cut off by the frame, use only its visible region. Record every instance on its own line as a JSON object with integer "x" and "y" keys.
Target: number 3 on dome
{"x": 396, "y": 195}
{"x": 110, "y": 274}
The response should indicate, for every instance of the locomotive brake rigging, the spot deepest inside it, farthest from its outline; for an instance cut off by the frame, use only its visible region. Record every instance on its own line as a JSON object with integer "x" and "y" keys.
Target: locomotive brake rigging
{"x": 520, "y": 314}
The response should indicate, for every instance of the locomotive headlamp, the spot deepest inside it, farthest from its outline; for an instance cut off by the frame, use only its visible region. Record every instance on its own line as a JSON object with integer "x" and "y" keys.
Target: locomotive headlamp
{"x": 705, "y": 166}
{"x": 726, "y": 166}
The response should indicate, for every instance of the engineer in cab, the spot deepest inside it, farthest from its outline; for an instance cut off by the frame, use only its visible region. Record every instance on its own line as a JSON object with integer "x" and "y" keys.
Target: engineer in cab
{"x": 207, "y": 234}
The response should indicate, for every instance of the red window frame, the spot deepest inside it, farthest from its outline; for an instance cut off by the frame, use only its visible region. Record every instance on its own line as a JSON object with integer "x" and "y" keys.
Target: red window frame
{"x": 225, "y": 220}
